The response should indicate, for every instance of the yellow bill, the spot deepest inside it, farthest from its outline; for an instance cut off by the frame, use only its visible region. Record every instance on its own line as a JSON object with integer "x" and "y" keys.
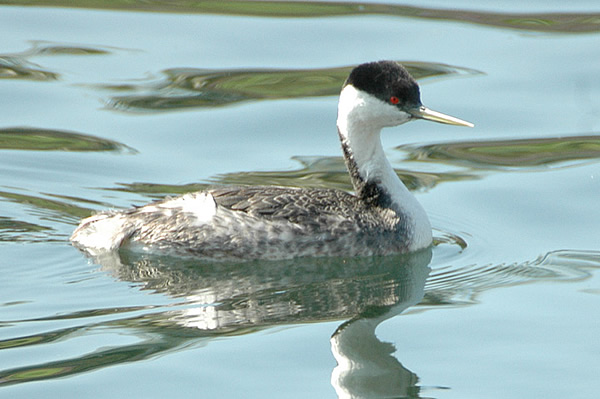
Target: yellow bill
{"x": 425, "y": 113}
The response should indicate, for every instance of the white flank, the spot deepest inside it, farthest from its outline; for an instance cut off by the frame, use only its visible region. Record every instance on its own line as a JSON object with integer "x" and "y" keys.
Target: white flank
{"x": 107, "y": 231}
{"x": 201, "y": 206}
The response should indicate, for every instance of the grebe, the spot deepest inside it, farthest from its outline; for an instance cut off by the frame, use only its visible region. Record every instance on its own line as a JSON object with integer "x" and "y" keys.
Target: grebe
{"x": 244, "y": 223}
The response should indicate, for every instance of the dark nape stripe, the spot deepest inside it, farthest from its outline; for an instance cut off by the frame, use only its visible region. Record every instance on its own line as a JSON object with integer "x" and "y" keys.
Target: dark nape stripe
{"x": 371, "y": 193}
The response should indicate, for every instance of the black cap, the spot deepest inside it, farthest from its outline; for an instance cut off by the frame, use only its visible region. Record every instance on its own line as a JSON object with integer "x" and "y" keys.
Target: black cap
{"x": 384, "y": 80}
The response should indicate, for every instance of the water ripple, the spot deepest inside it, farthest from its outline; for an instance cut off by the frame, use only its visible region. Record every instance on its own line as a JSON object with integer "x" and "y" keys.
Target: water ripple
{"x": 40, "y": 139}
{"x": 185, "y": 88}
{"x": 537, "y": 22}
{"x": 217, "y": 300}
{"x": 454, "y": 285}
{"x": 530, "y": 153}
{"x": 12, "y": 67}
{"x": 12, "y": 230}
{"x": 20, "y": 66}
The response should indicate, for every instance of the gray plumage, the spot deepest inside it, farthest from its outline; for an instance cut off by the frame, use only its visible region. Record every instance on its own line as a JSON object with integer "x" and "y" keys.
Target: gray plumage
{"x": 264, "y": 223}
{"x": 244, "y": 223}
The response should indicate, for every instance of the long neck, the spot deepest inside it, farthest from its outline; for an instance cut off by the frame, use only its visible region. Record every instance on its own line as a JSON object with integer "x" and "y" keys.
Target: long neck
{"x": 374, "y": 180}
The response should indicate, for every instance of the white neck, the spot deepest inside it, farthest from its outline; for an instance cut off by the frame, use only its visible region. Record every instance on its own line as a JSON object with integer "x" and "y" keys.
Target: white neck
{"x": 360, "y": 120}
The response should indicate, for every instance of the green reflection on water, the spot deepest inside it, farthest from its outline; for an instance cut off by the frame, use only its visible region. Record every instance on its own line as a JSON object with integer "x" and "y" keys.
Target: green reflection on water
{"x": 19, "y": 66}
{"x": 48, "y": 211}
{"x": 16, "y": 68}
{"x": 39, "y": 139}
{"x": 44, "y": 48}
{"x": 96, "y": 360}
{"x": 477, "y": 156}
{"x": 196, "y": 88}
{"x": 245, "y": 298}
{"x": 58, "y": 208}
{"x": 12, "y": 230}
{"x": 36, "y": 374}
{"x": 309, "y": 175}
{"x": 218, "y": 300}
{"x": 539, "y": 22}
{"x": 519, "y": 153}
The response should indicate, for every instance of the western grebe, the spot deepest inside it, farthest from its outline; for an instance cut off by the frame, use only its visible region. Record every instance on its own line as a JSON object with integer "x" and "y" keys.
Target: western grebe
{"x": 245, "y": 223}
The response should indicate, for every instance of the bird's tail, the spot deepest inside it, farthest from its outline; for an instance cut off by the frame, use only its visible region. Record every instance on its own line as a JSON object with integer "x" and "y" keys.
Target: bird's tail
{"x": 103, "y": 232}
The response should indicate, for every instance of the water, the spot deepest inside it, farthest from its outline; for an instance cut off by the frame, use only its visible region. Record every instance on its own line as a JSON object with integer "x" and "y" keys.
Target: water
{"x": 102, "y": 108}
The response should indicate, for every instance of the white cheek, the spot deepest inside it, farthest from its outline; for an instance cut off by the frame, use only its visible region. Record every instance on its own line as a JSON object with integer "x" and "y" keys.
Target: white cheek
{"x": 358, "y": 108}
{"x": 392, "y": 116}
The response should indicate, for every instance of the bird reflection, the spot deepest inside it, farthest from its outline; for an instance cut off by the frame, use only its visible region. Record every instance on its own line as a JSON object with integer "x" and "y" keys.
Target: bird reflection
{"x": 231, "y": 299}
{"x": 366, "y": 367}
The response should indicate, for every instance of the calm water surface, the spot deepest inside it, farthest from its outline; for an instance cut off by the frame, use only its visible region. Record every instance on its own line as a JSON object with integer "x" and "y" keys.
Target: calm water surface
{"x": 119, "y": 103}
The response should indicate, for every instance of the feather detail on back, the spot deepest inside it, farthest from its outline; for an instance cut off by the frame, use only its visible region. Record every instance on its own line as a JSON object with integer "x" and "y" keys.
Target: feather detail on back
{"x": 248, "y": 223}
{"x": 245, "y": 223}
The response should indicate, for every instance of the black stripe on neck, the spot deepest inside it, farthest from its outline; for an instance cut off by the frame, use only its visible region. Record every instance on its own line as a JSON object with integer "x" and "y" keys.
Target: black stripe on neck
{"x": 371, "y": 192}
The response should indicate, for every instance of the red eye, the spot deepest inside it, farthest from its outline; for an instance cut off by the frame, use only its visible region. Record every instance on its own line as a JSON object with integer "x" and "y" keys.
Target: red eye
{"x": 394, "y": 100}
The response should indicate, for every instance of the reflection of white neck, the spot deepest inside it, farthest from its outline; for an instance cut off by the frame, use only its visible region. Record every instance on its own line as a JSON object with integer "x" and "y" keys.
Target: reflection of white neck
{"x": 366, "y": 367}
{"x": 360, "y": 120}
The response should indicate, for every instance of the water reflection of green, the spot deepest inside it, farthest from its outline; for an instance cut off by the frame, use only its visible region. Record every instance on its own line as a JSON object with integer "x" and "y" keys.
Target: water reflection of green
{"x": 38, "y": 139}
{"x": 20, "y": 66}
{"x": 13, "y": 67}
{"x": 518, "y": 153}
{"x": 476, "y": 158}
{"x": 188, "y": 88}
{"x": 198, "y": 88}
{"x": 226, "y": 300}
{"x": 216, "y": 300}
{"x": 15, "y": 230}
{"x": 537, "y": 22}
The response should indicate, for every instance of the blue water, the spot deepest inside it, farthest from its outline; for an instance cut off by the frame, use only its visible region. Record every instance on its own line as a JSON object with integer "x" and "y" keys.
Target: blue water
{"x": 506, "y": 307}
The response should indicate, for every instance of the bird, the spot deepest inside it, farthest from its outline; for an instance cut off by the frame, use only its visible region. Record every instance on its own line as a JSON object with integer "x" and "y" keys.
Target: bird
{"x": 243, "y": 223}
